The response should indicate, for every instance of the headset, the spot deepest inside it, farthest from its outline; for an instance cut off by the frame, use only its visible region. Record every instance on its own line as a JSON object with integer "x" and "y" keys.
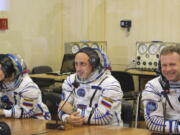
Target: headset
{"x": 97, "y": 58}
{"x": 103, "y": 58}
{"x": 12, "y": 64}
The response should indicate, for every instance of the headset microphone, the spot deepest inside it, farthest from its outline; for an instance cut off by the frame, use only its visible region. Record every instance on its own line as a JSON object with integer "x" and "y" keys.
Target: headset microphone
{"x": 75, "y": 84}
{"x": 57, "y": 125}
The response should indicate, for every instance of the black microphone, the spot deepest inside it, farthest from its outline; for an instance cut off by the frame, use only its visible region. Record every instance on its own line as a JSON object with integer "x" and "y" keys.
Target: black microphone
{"x": 166, "y": 89}
{"x": 4, "y": 129}
{"x": 57, "y": 125}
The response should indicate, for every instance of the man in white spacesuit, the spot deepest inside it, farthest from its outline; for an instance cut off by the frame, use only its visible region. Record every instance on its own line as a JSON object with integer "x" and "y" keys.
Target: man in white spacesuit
{"x": 161, "y": 97}
{"x": 93, "y": 95}
{"x": 20, "y": 97}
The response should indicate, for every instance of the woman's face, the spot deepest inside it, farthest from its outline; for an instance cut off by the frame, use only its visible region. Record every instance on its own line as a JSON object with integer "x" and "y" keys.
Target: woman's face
{"x": 2, "y": 75}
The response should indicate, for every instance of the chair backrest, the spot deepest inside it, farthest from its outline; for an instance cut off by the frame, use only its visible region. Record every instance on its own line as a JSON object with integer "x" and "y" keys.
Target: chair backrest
{"x": 125, "y": 79}
{"x": 42, "y": 82}
{"x": 52, "y": 101}
{"x": 41, "y": 69}
{"x": 127, "y": 113}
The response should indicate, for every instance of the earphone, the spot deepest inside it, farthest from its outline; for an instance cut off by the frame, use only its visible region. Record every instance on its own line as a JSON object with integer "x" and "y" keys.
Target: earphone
{"x": 104, "y": 61}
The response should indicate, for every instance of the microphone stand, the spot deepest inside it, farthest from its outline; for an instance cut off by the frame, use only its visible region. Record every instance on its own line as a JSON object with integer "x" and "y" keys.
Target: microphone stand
{"x": 57, "y": 125}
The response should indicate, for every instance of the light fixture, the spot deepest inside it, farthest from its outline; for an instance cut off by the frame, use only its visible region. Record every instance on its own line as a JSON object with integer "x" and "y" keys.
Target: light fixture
{"x": 4, "y": 5}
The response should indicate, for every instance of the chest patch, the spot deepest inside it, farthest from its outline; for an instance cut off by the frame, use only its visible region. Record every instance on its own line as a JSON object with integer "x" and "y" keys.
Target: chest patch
{"x": 81, "y": 92}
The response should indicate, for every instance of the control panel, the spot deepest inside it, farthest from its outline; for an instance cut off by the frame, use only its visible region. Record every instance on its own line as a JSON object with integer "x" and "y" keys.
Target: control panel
{"x": 73, "y": 47}
{"x": 147, "y": 54}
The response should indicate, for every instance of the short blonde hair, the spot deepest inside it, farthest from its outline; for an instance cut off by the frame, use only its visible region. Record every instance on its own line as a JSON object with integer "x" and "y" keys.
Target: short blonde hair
{"x": 170, "y": 49}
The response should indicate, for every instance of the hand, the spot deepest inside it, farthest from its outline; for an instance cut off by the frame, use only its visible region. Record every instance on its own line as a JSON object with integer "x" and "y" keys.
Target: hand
{"x": 1, "y": 113}
{"x": 67, "y": 108}
{"x": 75, "y": 119}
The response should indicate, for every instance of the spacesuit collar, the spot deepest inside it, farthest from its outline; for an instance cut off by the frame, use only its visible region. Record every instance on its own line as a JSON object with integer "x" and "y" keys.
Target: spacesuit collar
{"x": 12, "y": 85}
{"x": 94, "y": 76}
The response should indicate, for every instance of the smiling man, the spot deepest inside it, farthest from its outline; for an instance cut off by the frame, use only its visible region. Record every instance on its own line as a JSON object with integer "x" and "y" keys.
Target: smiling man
{"x": 93, "y": 95}
{"x": 161, "y": 97}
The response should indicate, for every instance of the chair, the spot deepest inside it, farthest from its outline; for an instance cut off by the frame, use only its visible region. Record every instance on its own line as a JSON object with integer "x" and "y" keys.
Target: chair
{"x": 127, "y": 113}
{"x": 42, "y": 82}
{"x": 52, "y": 101}
{"x": 127, "y": 84}
{"x": 139, "y": 116}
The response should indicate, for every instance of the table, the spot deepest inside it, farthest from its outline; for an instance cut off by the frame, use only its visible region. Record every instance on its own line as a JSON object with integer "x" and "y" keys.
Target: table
{"x": 57, "y": 78}
{"x": 37, "y": 127}
{"x": 148, "y": 75}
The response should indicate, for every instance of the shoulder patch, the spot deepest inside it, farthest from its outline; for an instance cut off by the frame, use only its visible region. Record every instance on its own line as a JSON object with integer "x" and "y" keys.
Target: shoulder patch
{"x": 151, "y": 106}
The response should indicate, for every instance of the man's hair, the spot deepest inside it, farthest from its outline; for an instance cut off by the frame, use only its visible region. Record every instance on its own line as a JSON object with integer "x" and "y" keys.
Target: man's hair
{"x": 170, "y": 49}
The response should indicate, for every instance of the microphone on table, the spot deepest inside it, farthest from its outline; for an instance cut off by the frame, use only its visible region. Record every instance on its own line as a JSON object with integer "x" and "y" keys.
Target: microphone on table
{"x": 57, "y": 125}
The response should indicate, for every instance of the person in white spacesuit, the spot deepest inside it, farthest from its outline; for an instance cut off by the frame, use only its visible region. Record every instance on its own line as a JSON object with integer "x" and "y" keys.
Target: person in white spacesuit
{"x": 93, "y": 95}
{"x": 20, "y": 97}
{"x": 161, "y": 96}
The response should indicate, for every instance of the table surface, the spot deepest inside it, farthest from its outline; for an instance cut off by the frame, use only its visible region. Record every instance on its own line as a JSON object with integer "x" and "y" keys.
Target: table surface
{"x": 48, "y": 76}
{"x": 38, "y": 127}
{"x": 62, "y": 77}
{"x": 140, "y": 72}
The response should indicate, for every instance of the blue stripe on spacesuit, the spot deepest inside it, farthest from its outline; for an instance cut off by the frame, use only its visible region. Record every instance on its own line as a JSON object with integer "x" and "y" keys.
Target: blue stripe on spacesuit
{"x": 105, "y": 119}
{"x": 27, "y": 86}
{"x": 176, "y": 127}
{"x": 102, "y": 116}
{"x": 152, "y": 119}
{"x": 68, "y": 82}
{"x": 158, "y": 94}
{"x": 112, "y": 86}
{"x": 154, "y": 92}
{"x": 149, "y": 85}
{"x": 170, "y": 126}
{"x": 175, "y": 87}
{"x": 158, "y": 122}
{"x": 60, "y": 114}
{"x": 40, "y": 107}
{"x": 96, "y": 87}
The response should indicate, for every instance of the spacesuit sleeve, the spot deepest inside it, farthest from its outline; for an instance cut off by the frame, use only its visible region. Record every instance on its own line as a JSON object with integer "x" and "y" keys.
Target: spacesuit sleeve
{"x": 108, "y": 107}
{"x": 154, "y": 112}
{"x": 28, "y": 100}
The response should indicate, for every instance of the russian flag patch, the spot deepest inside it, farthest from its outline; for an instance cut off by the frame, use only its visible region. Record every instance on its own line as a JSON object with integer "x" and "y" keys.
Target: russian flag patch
{"x": 107, "y": 102}
{"x": 27, "y": 102}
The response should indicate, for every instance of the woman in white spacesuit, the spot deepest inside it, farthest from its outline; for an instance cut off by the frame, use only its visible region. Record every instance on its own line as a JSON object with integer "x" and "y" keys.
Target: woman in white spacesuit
{"x": 20, "y": 97}
{"x": 93, "y": 95}
{"x": 161, "y": 97}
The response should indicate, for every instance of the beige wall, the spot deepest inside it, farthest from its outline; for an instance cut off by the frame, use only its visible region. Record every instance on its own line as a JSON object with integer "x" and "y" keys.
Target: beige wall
{"x": 39, "y": 28}
{"x": 35, "y": 31}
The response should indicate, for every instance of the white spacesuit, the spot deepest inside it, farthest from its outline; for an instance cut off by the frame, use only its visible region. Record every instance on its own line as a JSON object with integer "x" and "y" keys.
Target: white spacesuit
{"x": 161, "y": 113}
{"x": 97, "y": 98}
{"x": 21, "y": 97}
